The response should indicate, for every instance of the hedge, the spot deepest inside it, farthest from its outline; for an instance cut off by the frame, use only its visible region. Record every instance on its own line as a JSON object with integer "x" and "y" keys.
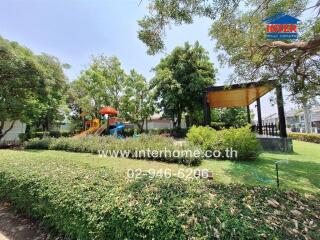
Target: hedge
{"x": 241, "y": 140}
{"x": 306, "y": 137}
{"x": 96, "y": 144}
{"x": 81, "y": 202}
{"x": 173, "y": 132}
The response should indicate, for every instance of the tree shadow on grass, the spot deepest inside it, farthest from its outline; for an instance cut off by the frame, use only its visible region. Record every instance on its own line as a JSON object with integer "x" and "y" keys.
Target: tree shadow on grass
{"x": 300, "y": 175}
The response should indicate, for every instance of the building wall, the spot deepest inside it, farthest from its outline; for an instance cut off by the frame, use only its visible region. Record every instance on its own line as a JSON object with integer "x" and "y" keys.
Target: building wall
{"x": 13, "y": 134}
{"x": 158, "y": 124}
{"x": 161, "y": 124}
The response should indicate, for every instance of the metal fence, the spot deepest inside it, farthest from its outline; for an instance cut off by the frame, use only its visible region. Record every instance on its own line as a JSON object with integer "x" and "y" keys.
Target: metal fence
{"x": 269, "y": 129}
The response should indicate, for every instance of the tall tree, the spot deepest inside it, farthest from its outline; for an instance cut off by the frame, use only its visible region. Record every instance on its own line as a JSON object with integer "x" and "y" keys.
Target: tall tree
{"x": 241, "y": 40}
{"x": 99, "y": 85}
{"x": 239, "y": 32}
{"x": 180, "y": 79}
{"x": 31, "y": 86}
{"x": 137, "y": 103}
{"x": 53, "y": 101}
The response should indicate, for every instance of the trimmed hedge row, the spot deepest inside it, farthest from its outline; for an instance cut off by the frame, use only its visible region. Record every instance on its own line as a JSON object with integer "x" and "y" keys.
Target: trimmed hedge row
{"x": 111, "y": 144}
{"x": 55, "y": 134}
{"x": 241, "y": 140}
{"x": 82, "y": 202}
{"x": 306, "y": 137}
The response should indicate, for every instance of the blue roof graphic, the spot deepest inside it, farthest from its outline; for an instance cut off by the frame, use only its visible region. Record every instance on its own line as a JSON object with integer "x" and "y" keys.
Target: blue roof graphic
{"x": 281, "y": 18}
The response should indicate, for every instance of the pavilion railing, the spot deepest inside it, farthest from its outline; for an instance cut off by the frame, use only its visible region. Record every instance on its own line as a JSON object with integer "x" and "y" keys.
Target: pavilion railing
{"x": 269, "y": 129}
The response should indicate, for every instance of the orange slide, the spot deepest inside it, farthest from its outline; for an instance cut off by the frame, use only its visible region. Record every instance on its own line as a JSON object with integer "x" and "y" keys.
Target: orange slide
{"x": 91, "y": 130}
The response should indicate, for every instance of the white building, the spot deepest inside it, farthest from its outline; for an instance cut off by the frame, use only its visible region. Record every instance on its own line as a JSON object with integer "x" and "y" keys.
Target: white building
{"x": 157, "y": 122}
{"x": 295, "y": 120}
{"x": 13, "y": 134}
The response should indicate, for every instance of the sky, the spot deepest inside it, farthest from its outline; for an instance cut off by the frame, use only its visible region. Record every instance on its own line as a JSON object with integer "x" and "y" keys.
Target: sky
{"x": 75, "y": 30}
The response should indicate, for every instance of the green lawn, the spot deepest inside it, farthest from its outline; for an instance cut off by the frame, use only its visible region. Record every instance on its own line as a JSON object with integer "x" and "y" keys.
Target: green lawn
{"x": 302, "y": 172}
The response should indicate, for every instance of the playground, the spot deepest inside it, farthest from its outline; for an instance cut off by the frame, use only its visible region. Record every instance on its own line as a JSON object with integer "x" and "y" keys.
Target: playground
{"x": 107, "y": 124}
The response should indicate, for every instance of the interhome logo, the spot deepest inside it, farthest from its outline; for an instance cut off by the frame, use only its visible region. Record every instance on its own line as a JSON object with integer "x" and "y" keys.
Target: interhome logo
{"x": 281, "y": 26}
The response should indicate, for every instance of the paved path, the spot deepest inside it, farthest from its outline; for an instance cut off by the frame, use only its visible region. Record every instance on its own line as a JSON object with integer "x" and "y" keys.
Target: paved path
{"x": 18, "y": 227}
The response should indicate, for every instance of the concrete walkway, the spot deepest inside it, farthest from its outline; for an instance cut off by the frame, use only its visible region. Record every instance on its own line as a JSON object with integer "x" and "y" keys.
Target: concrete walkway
{"x": 18, "y": 227}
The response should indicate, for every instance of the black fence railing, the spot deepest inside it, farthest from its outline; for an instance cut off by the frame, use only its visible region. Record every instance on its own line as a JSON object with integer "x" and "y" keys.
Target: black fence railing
{"x": 269, "y": 129}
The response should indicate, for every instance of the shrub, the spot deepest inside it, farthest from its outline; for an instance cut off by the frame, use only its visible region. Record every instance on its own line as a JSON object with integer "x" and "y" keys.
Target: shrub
{"x": 22, "y": 137}
{"x": 82, "y": 202}
{"x": 173, "y": 132}
{"x": 38, "y": 134}
{"x": 54, "y": 134}
{"x": 129, "y": 132}
{"x": 110, "y": 144}
{"x": 37, "y": 143}
{"x": 241, "y": 140}
{"x": 306, "y": 137}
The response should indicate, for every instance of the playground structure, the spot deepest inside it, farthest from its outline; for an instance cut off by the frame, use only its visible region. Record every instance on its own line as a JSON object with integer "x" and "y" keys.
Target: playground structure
{"x": 106, "y": 125}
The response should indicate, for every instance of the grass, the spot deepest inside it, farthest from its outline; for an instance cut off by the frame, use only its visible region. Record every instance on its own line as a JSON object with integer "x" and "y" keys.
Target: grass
{"x": 82, "y": 196}
{"x": 302, "y": 172}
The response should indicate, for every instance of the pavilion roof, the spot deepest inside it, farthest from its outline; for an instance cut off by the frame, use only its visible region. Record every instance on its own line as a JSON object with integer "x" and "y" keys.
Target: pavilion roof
{"x": 237, "y": 95}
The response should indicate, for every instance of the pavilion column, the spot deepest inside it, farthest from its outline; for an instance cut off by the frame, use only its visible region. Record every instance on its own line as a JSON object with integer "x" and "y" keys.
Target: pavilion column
{"x": 248, "y": 114}
{"x": 259, "y": 116}
{"x": 281, "y": 115}
{"x": 206, "y": 110}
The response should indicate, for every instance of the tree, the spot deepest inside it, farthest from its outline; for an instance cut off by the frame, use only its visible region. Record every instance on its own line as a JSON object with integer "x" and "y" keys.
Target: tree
{"x": 137, "y": 102}
{"x": 230, "y": 117}
{"x": 241, "y": 41}
{"x": 162, "y": 13}
{"x": 180, "y": 80}
{"x": 32, "y": 87}
{"x": 21, "y": 85}
{"x": 98, "y": 86}
{"x": 239, "y": 33}
{"x": 53, "y": 101}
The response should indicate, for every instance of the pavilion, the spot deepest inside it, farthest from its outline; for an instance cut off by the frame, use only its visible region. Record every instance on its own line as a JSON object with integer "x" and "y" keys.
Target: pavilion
{"x": 242, "y": 95}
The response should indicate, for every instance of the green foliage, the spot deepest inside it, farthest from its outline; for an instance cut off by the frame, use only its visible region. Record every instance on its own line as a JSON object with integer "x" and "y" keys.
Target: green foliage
{"x": 32, "y": 87}
{"x": 180, "y": 80}
{"x": 37, "y": 143}
{"x": 239, "y": 34}
{"x": 22, "y": 137}
{"x": 54, "y": 134}
{"x": 82, "y": 202}
{"x": 98, "y": 86}
{"x": 53, "y": 97}
{"x": 306, "y": 137}
{"x": 242, "y": 44}
{"x": 137, "y": 103}
{"x": 121, "y": 147}
{"x": 164, "y": 13}
{"x": 105, "y": 83}
{"x": 174, "y": 132}
{"x": 229, "y": 117}
{"x": 241, "y": 140}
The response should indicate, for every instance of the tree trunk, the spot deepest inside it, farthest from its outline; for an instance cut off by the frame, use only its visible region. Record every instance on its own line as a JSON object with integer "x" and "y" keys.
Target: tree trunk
{"x": 307, "y": 122}
{"x": 173, "y": 122}
{"x": 140, "y": 126}
{"x": 188, "y": 120}
{"x": 146, "y": 125}
{"x": 3, "y": 133}
{"x": 179, "y": 120}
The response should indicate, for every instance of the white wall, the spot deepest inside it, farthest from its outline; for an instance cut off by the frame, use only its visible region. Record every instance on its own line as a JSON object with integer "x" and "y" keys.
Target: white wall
{"x": 158, "y": 124}
{"x": 13, "y": 134}
{"x": 161, "y": 124}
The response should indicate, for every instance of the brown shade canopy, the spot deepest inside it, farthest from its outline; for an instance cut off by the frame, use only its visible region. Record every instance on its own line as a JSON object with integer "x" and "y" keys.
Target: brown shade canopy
{"x": 238, "y": 95}
{"x": 108, "y": 110}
